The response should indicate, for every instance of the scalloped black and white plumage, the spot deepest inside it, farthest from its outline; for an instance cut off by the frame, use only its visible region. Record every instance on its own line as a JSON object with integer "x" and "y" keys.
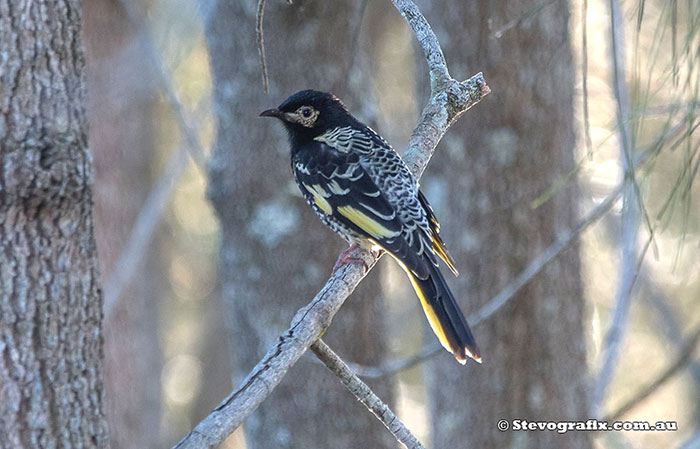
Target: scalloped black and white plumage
{"x": 361, "y": 188}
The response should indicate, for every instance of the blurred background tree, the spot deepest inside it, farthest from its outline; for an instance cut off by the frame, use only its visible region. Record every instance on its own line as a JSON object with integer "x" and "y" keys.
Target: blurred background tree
{"x": 510, "y": 177}
{"x": 121, "y": 107}
{"x": 506, "y": 153}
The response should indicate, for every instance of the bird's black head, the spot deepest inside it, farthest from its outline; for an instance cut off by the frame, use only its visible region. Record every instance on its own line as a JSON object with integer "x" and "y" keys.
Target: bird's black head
{"x": 310, "y": 113}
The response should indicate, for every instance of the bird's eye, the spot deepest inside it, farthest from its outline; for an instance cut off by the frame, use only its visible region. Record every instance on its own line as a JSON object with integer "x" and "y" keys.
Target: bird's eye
{"x": 306, "y": 112}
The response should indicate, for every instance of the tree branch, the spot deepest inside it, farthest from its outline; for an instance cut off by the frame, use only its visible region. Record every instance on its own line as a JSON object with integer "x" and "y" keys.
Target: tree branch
{"x": 142, "y": 231}
{"x": 533, "y": 268}
{"x": 309, "y": 323}
{"x": 428, "y": 41}
{"x": 145, "y": 225}
{"x": 449, "y": 99}
{"x": 164, "y": 77}
{"x": 629, "y": 217}
{"x": 365, "y": 395}
{"x": 682, "y": 360}
{"x": 150, "y": 213}
{"x": 505, "y": 295}
{"x": 261, "y": 43}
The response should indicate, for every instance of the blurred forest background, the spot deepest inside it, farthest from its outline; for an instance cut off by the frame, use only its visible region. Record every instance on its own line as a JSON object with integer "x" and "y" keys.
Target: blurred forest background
{"x": 207, "y": 249}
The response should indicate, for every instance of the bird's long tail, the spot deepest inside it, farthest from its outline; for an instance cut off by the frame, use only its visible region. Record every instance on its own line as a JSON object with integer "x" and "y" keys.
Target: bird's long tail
{"x": 445, "y": 317}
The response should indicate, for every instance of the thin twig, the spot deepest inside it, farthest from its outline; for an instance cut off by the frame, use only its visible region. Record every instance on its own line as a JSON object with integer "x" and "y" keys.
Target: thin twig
{"x": 684, "y": 357}
{"x": 630, "y": 217}
{"x": 365, "y": 395}
{"x": 627, "y": 139}
{"x": 261, "y": 42}
{"x": 311, "y": 321}
{"x": 529, "y": 14}
{"x": 544, "y": 258}
{"x": 395, "y": 366}
{"x": 667, "y": 109}
{"x": 584, "y": 78}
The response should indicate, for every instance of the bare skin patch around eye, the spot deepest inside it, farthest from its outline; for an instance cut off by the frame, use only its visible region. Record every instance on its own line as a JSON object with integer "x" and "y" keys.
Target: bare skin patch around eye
{"x": 304, "y": 120}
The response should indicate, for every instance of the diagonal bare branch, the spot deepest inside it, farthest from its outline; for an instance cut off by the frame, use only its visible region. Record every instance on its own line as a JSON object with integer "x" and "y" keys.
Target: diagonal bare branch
{"x": 145, "y": 225}
{"x": 365, "y": 395}
{"x": 141, "y": 233}
{"x": 150, "y": 213}
{"x": 165, "y": 79}
{"x": 449, "y": 99}
{"x": 520, "y": 20}
{"x": 535, "y": 267}
{"x": 308, "y": 324}
{"x": 311, "y": 321}
{"x": 682, "y": 360}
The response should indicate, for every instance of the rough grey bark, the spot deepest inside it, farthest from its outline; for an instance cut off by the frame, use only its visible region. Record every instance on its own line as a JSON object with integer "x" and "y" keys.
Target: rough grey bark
{"x": 492, "y": 166}
{"x": 275, "y": 254}
{"x": 120, "y": 99}
{"x": 51, "y": 391}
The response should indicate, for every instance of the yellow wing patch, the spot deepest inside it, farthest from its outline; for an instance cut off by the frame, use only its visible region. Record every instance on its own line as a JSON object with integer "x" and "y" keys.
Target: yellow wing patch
{"x": 366, "y": 223}
{"x": 320, "y": 194}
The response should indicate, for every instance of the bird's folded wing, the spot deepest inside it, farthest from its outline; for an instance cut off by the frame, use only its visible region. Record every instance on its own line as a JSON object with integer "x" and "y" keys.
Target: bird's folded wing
{"x": 341, "y": 187}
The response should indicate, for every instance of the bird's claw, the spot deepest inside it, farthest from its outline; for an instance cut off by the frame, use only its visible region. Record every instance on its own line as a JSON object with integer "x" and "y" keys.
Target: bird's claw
{"x": 347, "y": 257}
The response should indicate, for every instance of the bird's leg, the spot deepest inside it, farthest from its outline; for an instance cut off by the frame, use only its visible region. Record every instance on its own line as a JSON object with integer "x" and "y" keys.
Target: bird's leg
{"x": 347, "y": 257}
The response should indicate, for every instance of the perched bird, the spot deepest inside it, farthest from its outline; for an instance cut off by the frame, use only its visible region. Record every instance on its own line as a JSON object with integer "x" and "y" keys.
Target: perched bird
{"x": 361, "y": 188}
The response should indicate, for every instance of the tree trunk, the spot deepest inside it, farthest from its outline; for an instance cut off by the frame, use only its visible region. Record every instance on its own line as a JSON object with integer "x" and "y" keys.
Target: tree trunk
{"x": 120, "y": 98}
{"x": 275, "y": 253}
{"x": 494, "y": 162}
{"x": 51, "y": 391}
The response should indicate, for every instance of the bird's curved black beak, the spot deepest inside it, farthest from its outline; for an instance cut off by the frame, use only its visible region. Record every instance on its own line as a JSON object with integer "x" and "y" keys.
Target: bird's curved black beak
{"x": 272, "y": 113}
